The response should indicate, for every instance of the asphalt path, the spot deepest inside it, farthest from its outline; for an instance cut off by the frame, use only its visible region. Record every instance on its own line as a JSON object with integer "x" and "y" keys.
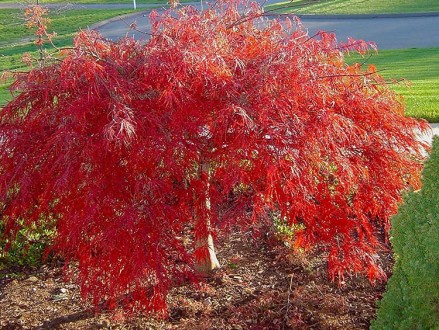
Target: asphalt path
{"x": 387, "y": 31}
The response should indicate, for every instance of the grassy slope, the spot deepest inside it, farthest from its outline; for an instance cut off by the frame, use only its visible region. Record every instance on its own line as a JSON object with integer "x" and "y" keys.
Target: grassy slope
{"x": 356, "y": 6}
{"x": 420, "y": 67}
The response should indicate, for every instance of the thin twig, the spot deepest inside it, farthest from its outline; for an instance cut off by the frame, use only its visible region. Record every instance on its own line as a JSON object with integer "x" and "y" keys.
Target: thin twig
{"x": 288, "y": 299}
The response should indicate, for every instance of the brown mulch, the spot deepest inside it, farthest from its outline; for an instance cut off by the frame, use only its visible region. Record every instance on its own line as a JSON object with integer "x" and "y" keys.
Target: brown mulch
{"x": 260, "y": 286}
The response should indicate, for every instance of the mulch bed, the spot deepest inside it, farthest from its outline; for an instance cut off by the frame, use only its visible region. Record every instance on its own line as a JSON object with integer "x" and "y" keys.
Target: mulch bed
{"x": 262, "y": 285}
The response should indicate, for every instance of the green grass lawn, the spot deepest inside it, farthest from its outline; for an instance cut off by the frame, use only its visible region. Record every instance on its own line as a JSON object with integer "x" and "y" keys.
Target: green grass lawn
{"x": 420, "y": 67}
{"x": 355, "y": 6}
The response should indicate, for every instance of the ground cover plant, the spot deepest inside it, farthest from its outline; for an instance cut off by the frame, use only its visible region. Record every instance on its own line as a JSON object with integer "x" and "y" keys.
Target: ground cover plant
{"x": 350, "y": 7}
{"x": 412, "y": 297}
{"x": 144, "y": 153}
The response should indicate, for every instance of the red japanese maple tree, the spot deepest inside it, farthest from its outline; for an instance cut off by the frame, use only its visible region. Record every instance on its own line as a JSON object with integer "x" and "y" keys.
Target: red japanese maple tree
{"x": 220, "y": 119}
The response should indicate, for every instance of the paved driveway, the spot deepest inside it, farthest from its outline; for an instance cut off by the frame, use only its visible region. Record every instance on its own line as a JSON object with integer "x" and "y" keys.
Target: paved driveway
{"x": 394, "y": 32}
{"x": 387, "y": 31}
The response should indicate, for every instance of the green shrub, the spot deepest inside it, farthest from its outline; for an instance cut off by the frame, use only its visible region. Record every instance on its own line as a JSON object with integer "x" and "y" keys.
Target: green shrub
{"x": 412, "y": 297}
{"x": 27, "y": 249}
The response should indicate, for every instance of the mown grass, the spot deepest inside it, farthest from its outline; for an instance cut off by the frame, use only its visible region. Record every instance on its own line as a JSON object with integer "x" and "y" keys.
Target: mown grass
{"x": 355, "y": 6}
{"x": 419, "y": 67}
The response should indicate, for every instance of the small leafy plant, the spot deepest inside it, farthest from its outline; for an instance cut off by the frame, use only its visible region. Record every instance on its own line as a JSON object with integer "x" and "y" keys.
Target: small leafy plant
{"x": 28, "y": 246}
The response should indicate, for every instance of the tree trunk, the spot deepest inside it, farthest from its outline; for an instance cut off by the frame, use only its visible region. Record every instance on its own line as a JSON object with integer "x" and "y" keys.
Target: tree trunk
{"x": 208, "y": 261}
{"x": 205, "y": 256}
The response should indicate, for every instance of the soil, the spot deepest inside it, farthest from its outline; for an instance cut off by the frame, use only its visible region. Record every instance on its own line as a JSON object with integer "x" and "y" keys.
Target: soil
{"x": 260, "y": 286}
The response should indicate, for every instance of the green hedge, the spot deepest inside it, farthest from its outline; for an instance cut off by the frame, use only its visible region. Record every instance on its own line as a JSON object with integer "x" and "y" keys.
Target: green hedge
{"x": 412, "y": 297}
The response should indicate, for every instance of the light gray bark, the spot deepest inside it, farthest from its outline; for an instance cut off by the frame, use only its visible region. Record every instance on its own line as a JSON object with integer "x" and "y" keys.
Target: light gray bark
{"x": 205, "y": 267}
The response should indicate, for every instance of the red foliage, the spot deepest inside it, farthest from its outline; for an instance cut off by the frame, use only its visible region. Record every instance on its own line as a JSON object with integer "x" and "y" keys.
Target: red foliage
{"x": 36, "y": 19}
{"x": 112, "y": 140}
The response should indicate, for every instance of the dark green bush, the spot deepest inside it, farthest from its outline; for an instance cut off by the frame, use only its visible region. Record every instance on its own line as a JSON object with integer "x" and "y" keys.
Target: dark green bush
{"x": 412, "y": 297}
